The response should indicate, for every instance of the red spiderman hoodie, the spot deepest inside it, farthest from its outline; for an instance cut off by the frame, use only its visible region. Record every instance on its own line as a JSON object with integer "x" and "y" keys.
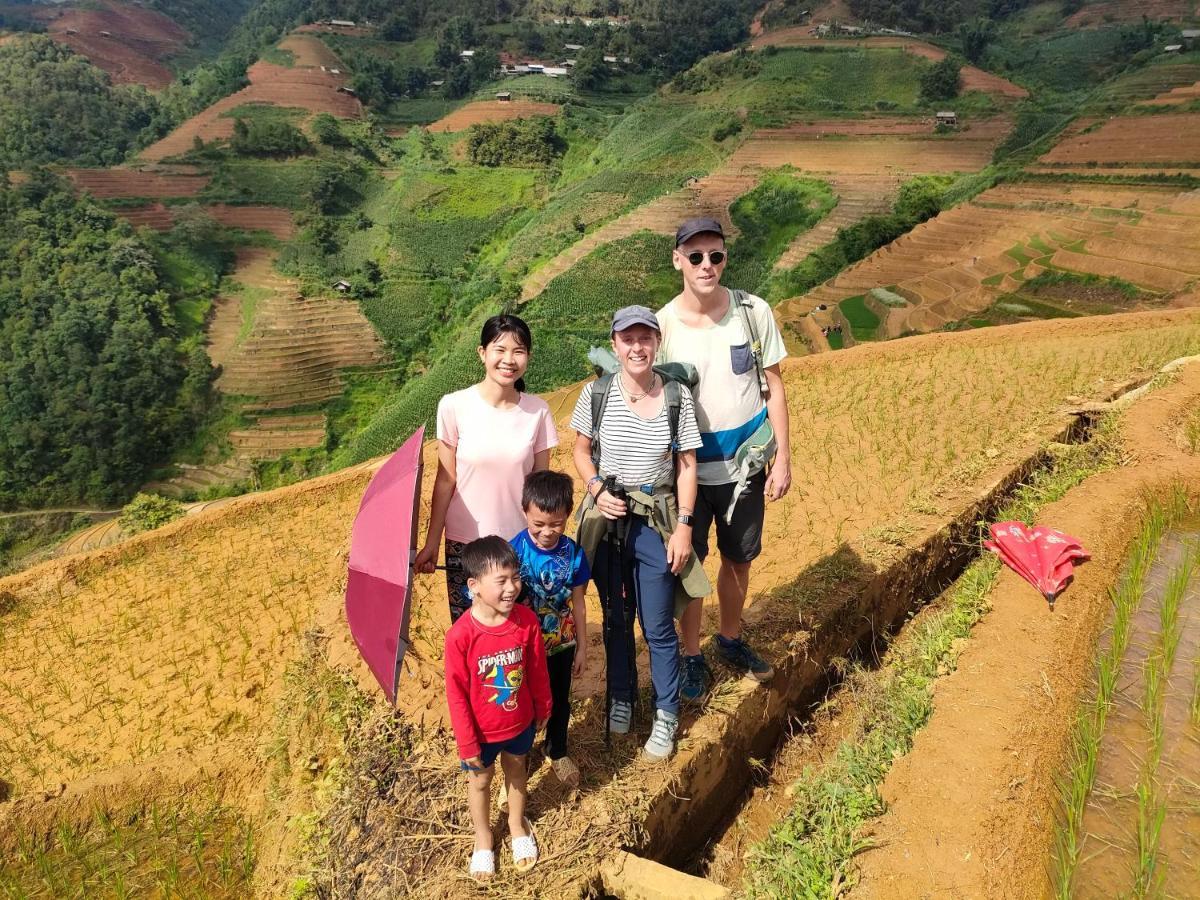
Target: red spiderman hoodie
{"x": 496, "y": 679}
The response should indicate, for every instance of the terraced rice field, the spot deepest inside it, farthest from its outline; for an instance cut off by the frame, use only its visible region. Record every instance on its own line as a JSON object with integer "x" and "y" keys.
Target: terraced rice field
{"x": 958, "y": 263}
{"x": 482, "y": 112}
{"x": 973, "y": 78}
{"x": 855, "y": 148}
{"x": 297, "y": 86}
{"x": 309, "y": 51}
{"x": 858, "y": 196}
{"x": 1105, "y": 12}
{"x": 127, "y": 661}
{"x": 151, "y": 182}
{"x": 855, "y": 152}
{"x": 707, "y": 196}
{"x": 296, "y": 345}
{"x": 1177, "y": 95}
{"x": 1147, "y": 141}
{"x": 149, "y": 662}
{"x": 274, "y": 220}
{"x": 138, "y": 42}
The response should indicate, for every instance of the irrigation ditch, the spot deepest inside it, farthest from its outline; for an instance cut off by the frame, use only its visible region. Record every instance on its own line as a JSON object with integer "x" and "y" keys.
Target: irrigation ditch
{"x": 858, "y": 608}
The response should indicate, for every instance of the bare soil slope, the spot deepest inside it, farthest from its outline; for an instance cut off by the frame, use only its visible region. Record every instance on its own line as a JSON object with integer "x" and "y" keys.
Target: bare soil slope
{"x": 489, "y": 111}
{"x": 313, "y": 87}
{"x": 128, "y": 42}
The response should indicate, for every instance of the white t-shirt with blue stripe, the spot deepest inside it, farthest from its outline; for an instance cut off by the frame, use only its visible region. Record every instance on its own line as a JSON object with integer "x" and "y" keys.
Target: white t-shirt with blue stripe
{"x": 729, "y": 404}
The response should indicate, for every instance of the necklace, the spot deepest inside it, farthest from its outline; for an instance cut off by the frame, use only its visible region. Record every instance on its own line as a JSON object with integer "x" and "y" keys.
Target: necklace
{"x": 636, "y": 397}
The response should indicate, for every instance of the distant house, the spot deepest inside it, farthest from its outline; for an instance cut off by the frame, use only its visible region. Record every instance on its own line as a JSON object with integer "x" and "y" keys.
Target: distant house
{"x": 345, "y": 90}
{"x": 574, "y": 47}
{"x": 72, "y": 31}
{"x": 342, "y": 287}
{"x": 535, "y": 68}
{"x": 1172, "y": 48}
{"x": 106, "y": 34}
{"x": 467, "y": 54}
{"x": 569, "y": 63}
{"x": 341, "y": 23}
{"x": 1191, "y": 37}
{"x": 437, "y": 83}
{"x": 335, "y": 71}
{"x": 554, "y": 71}
{"x": 504, "y": 96}
{"x": 947, "y": 118}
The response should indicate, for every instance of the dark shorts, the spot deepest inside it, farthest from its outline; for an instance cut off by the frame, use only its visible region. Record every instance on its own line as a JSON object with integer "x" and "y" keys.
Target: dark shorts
{"x": 514, "y": 746}
{"x": 741, "y": 540}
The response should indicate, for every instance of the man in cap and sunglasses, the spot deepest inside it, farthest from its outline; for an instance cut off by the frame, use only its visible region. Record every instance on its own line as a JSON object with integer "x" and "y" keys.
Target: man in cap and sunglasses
{"x": 731, "y": 338}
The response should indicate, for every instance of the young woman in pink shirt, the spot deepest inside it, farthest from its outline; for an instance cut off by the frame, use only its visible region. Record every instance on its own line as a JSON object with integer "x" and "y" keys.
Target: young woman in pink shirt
{"x": 491, "y": 435}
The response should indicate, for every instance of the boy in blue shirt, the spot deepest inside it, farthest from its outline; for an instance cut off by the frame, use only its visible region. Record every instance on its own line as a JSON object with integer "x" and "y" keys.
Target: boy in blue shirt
{"x": 554, "y": 575}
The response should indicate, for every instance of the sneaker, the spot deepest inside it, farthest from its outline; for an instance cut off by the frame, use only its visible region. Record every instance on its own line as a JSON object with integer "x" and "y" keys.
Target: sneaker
{"x": 737, "y": 654}
{"x": 662, "y": 736}
{"x": 694, "y": 678}
{"x": 566, "y": 771}
{"x": 620, "y": 714}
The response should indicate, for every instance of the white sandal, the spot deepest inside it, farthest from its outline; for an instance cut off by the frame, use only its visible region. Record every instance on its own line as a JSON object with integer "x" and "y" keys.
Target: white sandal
{"x": 483, "y": 864}
{"x": 525, "y": 849}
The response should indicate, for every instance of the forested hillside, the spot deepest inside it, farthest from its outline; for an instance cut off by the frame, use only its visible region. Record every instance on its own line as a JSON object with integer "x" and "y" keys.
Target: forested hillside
{"x": 55, "y": 106}
{"x": 93, "y": 388}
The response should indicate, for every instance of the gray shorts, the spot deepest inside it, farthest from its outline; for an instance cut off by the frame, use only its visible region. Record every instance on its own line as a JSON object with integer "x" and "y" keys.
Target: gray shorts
{"x": 741, "y": 540}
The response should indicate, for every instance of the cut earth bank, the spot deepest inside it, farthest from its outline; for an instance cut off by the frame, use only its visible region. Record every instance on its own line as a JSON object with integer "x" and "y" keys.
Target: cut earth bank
{"x": 898, "y": 441}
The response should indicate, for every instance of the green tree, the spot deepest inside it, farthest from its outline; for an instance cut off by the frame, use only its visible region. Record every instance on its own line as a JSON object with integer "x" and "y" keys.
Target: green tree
{"x": 55, "y": 106}
{"x": 974, "y": 36}
{"x": 90, "y": 373}
{"x": 149, "y": 511}
{"x": 591, "y": 71}
{"x": 941, "y": 80}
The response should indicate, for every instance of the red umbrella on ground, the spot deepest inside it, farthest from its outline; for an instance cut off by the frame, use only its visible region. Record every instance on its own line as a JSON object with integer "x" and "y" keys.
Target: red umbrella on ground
{"x": 382, "y": 546}
{"x": 1045, "y": 557}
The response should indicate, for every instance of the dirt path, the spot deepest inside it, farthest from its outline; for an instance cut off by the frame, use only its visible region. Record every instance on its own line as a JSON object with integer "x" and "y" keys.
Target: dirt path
{"x": 971, "y": 805}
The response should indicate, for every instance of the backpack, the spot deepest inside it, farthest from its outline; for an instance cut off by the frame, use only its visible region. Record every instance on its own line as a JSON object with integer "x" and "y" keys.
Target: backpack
{"x": 673, "y": 376}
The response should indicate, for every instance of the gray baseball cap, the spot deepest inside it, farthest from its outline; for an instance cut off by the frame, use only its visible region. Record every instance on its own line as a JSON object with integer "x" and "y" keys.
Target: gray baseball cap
{"x": 693, "y": 227}
{"x": 628, "y": 316}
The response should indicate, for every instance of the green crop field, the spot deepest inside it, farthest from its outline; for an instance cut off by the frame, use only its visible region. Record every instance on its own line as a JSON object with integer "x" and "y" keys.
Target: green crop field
{"x": 286, "y": 184}
{"x": 776, "y": 87}
{"x": 864, "y": 324}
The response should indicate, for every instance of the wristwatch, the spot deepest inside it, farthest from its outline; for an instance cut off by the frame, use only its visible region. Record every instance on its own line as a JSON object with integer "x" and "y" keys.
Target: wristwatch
{"x": 684, "y": 519}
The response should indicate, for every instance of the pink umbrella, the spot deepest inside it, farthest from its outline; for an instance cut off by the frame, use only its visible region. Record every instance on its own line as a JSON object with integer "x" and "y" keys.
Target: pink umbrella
{"x": 382, "y": 546}
{"x": 1045, "y": 557}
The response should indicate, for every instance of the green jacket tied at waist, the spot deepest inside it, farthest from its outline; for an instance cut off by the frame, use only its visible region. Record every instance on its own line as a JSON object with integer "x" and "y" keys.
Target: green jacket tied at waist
{"x": 660, "y": 511}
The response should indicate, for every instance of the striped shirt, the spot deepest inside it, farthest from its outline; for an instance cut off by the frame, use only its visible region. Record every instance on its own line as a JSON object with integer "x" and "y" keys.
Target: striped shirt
{"x": 636, "y": 450}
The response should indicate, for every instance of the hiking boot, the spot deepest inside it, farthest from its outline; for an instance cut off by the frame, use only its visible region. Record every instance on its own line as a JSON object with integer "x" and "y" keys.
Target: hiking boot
{"x": 694, "y": 678}
{"x": 737, "y": 654}
{"x": 620, "y": 714}
{"x": 662, "y": 737}
{"x": 566, "y": 771}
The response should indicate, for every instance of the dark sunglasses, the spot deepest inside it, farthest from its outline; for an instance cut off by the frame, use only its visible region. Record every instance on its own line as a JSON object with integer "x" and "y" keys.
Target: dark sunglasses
{"x": 716, "y": 257}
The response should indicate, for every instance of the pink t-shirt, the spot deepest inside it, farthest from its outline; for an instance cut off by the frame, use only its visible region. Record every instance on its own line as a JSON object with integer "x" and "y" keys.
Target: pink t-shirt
{"x": 494, "y": 451}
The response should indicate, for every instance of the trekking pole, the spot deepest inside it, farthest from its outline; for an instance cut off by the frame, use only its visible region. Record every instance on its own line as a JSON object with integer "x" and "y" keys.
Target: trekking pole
{"x": 606, "y": 624}
{"x": 619, "y": 530}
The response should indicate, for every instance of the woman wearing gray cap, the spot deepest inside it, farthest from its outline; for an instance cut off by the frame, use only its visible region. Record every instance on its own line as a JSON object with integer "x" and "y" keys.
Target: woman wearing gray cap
{"x": 636, "y": 450}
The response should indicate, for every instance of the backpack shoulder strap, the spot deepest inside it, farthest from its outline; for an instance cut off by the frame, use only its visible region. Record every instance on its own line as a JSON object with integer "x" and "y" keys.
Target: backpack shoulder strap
{"x": 674, "y": 395}
{"x": 600, "y": 389}
{"x": 743, "y": 305}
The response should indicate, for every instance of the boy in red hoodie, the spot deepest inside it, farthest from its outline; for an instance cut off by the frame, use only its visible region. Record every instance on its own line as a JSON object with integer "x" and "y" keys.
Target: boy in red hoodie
{"x": 498, "y": 690}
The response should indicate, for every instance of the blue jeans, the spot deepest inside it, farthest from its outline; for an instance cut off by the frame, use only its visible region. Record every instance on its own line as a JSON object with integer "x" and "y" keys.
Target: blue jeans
{"x": 646, "y": 569}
